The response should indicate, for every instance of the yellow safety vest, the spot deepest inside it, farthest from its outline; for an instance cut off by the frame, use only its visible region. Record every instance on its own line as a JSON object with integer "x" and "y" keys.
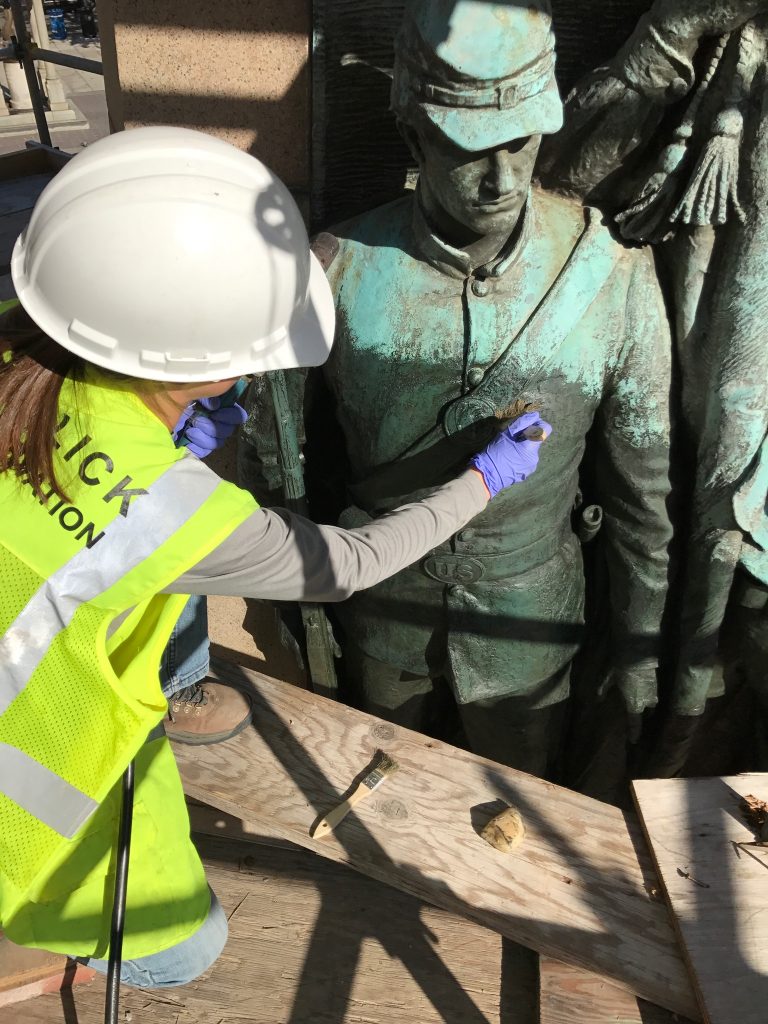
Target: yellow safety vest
{"x": 83, "y": 625}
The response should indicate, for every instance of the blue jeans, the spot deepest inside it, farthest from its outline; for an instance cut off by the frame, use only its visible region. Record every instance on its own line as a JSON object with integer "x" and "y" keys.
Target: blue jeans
{"x": 186, "y": 659}
{"x": 181, "y": 963}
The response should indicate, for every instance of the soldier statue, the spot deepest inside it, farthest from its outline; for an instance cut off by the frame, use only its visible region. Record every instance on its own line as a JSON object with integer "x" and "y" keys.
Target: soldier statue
{"x": 473, "y": 296}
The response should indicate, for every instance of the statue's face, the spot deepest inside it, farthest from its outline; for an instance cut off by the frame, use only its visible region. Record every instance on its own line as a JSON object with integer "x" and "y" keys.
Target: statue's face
{"x": 483, "y": 192}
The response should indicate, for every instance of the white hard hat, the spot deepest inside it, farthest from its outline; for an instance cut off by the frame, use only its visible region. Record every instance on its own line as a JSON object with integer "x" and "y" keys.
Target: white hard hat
{"x": 167, "y": 254}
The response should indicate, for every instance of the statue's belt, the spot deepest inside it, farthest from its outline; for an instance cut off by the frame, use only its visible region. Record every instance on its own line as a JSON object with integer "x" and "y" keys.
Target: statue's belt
{"x": 465, "y": 568}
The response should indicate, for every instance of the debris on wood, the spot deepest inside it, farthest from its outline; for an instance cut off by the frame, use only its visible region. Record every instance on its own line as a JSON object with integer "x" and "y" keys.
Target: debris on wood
{"x": 689, "y": 876}
{"x": 505, "y": 831}
{"x": 755, "y": 813}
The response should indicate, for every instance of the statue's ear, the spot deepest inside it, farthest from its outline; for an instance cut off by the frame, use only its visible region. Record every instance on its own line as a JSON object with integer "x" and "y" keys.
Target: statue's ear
{"x": 411, "y": 138}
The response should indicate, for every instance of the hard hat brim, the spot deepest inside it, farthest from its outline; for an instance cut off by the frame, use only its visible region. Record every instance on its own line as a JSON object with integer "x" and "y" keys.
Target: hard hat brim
{"x": 306, "y": 341}
{"x": 478, "y": 129}
{"x": 310, "y": 333}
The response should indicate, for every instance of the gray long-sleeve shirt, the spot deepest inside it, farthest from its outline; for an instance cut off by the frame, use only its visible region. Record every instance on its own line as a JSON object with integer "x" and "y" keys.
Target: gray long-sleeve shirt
{"x": 280, "y": 556}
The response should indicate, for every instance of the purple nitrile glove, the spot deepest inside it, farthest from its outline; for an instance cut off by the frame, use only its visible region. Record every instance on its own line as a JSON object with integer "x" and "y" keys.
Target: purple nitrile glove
{"x": 205, "y": 425}
{"x": 178, "y": 430}
{"x": 511, "y": 457}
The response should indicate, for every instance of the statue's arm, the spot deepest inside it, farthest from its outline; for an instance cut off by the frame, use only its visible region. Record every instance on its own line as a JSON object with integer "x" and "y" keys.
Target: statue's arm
{"x": 613, "y": 113}
{"x": 633, "y": 482}
{"x": 657, "y": 59}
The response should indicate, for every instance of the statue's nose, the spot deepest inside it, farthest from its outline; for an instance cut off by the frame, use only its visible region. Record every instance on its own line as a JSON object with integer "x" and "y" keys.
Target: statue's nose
{"x": 502, "y": 177}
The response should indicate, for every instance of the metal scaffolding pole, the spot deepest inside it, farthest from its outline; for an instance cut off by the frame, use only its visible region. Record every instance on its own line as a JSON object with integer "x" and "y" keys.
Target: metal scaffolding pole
{"x": 54, "y": 57}
{"x": 24, "y": 50}
{"x": 23, "y": 54}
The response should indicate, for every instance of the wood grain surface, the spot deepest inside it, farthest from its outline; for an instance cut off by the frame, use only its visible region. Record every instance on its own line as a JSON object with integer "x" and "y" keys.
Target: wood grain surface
{"x": 311, "y": 942}
{"x": 568, "y": 995}
{"x": 580, "y": 888}
{"x": 717, "y": 889}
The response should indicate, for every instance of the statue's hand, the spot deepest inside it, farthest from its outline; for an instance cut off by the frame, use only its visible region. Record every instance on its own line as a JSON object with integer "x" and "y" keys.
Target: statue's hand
{"x": 605, "y": 120}
{"x": 513, "y": 454}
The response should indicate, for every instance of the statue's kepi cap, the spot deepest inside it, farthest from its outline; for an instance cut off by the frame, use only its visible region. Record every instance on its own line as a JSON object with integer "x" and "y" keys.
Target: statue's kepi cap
{"x": 483, "y": 73}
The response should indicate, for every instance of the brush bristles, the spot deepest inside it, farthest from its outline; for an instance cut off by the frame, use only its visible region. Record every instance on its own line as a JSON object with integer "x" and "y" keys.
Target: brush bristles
{"x": 387, "y": 765}
{"x": 383, "y": 768}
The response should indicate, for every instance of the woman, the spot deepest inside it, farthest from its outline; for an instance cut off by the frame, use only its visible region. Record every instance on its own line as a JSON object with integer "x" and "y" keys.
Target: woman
{"x": 159, "y": 266}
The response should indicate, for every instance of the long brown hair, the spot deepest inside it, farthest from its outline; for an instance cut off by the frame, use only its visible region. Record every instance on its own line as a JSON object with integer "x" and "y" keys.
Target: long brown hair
{"x": 32, "y": 371}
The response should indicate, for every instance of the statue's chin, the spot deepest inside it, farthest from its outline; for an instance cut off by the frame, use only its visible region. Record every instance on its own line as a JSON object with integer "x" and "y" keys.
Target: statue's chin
{"x": 493, "y": 219}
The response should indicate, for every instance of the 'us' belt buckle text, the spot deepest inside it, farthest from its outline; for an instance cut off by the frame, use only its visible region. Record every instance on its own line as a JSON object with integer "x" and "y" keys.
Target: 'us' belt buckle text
{"x": 453, "y": 569}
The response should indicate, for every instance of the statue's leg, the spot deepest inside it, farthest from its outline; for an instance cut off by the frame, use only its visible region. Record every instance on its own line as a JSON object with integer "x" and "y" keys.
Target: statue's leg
{"x": 755, "y": 667}
{"x": 389, "y": 692}
{"x": 514, "y": 732}
{"x": 745, "y": 656}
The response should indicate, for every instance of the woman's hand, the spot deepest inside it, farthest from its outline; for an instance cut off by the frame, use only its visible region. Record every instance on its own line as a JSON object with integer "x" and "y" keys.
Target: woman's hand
{"x": 513, "y": 454}
{"x": 206, "y": 424}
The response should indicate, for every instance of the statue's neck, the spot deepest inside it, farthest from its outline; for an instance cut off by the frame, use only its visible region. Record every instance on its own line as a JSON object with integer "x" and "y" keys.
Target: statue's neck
{"x": 480, "y": 249}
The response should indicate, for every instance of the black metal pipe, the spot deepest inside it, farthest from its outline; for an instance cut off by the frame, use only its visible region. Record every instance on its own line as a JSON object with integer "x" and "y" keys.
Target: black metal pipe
{"x": 67, "y": 61}
{"x": 28, "y": 64}
{"x": 118, "y": 906}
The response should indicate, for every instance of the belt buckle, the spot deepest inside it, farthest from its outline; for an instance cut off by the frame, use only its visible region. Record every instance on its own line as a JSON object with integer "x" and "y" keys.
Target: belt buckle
{"x": 465, "y": 412}
{"x": 449, "y": 568}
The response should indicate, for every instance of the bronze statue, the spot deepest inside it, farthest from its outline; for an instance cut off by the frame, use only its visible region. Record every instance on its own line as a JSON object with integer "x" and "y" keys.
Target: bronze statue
{"x": 474, "y": 296}
{"x": 696, "y": 69}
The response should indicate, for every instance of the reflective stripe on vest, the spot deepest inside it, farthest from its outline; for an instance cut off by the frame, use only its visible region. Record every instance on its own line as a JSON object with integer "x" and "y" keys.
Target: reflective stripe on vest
{"x": 43, "y": 793}
{"x": 171, "y": 500}
{"x": 175, "y": 496}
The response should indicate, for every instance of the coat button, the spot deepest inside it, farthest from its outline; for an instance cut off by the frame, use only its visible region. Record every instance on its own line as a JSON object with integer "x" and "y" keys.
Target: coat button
{"x": 480, "y": 287}
{"x": 474, "y": 375}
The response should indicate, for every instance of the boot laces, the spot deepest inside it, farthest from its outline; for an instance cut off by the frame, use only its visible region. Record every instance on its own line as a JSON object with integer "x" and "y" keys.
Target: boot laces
{"x": 195, "y": 696}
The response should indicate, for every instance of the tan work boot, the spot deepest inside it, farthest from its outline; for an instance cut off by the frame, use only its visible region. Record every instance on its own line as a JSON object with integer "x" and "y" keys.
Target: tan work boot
{"x": 206, "y": 712}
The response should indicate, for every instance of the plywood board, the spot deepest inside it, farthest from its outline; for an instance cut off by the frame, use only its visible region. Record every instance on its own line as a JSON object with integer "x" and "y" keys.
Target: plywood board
{"x": 717, "y": 889}
{"x": 568, "y": 995}
{"x": 311, "y": 942}
{"x": 209, "y": 821}
{"x": 20, "y": 966}
{"x": 11, "y": 226}
{"x": 579, "y": 888}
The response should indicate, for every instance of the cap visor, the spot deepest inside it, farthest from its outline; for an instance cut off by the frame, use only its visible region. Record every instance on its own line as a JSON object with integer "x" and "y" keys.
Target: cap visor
{"x": 476, "y": 129}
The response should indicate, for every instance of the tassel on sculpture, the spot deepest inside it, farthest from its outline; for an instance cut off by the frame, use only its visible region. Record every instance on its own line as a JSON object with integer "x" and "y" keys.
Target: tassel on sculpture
{"x": 651, "y": 217}
{"x": 647, "y": 220}
{"x": 713, "y": 188}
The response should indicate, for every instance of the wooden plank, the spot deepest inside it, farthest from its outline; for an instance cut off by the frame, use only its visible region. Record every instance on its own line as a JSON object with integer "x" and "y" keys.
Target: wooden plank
{"x": 312, "y": 942}
{"x": 580, "y": 888}
{"x": 209, "y": 821}
{"x": 568, "y": 995}
{"x": 36, "y": 159}
{"x": 11, "y": 226}
{"x": 19, "y": 966}
{"x": 22, "y": 193}
{"x": 26, "y": 973}
{"x": 717, "y": 891}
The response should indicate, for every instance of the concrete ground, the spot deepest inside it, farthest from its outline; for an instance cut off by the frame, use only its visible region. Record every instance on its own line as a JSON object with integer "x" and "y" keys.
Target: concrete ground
{"x": 85, "y": 90}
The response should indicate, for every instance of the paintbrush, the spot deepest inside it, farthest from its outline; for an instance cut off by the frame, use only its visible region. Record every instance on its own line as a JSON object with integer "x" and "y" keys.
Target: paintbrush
{"x": 505, "y": 416}
{"x": 384, "y": 767}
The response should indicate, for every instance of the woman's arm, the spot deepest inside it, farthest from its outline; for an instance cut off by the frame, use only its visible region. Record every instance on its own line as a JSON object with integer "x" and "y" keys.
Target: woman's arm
{"x": 280, "y": 556}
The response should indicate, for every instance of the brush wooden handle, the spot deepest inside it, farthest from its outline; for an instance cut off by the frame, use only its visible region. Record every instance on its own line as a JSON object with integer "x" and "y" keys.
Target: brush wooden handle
{"x": 332, "y": 819}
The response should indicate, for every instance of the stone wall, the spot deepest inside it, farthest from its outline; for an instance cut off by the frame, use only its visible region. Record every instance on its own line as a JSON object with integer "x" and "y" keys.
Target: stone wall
{"x": 238, "y": 69}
